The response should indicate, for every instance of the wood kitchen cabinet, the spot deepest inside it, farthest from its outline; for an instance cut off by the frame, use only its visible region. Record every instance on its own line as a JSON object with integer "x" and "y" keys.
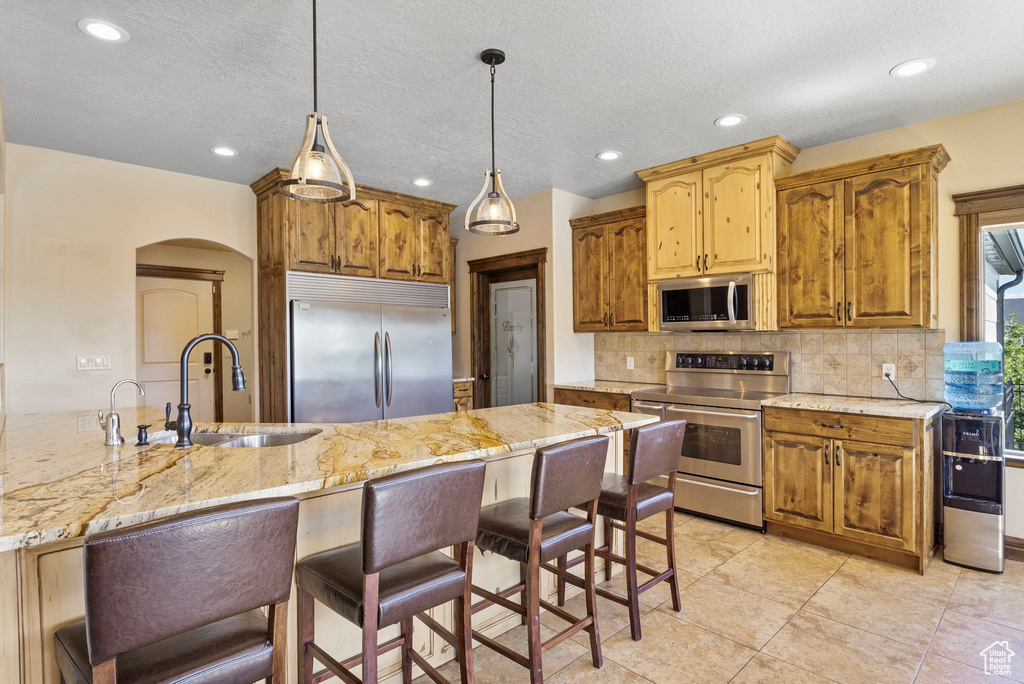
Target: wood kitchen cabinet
{"x": 857, "y": 244}
{"x": 715, "y": 213}
{"x": 380, "y": 234}
{"x": 609, "y": 271}
{"x": 462, "y": 396}
{"x": 858, "y": 483}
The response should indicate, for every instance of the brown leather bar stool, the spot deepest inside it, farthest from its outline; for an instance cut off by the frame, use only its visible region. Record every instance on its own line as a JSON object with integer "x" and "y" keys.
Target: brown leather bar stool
{"x": 398, "y": 571}
{"x": 538, "y": 529}
{"x": 179, "y": 599}
{"x": 654, "y": 451}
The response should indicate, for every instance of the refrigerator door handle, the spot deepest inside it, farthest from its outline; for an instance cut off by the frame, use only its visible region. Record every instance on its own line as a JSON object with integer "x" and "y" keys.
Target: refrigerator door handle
{"x": 377, "y": 368}
{"x": 387, "y": 369}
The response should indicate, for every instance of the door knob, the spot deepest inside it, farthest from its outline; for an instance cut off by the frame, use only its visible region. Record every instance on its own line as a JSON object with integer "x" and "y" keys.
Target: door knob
{"x": 485, "y": 376}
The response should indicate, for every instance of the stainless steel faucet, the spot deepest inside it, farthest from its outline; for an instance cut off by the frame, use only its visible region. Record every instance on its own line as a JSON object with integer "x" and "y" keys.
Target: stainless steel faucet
{"x": 184, "y": 422}
{"x": 111, "y": 422}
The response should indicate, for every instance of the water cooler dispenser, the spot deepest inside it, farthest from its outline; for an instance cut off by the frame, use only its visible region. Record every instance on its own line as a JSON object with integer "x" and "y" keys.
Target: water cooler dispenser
{"x": 973, "y": 473}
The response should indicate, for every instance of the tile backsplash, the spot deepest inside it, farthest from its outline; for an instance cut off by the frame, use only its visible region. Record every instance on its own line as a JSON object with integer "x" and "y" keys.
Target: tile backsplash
{"x": 824, "y": 362}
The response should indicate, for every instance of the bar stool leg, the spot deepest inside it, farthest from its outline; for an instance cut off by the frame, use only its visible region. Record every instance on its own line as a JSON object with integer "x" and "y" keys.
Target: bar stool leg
{"x": 524, "y": 580}
{"x": 463, "y": 618}
{"x": 608, "y": 547}
{"x": 371, "y": 601}
{"x": 563, "y": 565}
{"x": 533, "y": 606}
{"x": 670, "y": 549}
{"x": 632, "y": 595}
{"x": 305, "y": 618}
{"x": 406, "y": 651}
{"x": 590, "y": 588}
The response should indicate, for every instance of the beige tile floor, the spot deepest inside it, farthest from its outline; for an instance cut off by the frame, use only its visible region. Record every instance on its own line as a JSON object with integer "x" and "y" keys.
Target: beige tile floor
{"x": 759, "y": 608}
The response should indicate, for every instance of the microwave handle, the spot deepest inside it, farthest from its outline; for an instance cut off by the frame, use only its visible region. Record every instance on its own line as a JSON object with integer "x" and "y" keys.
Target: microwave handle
{"x": 732, "y": 301}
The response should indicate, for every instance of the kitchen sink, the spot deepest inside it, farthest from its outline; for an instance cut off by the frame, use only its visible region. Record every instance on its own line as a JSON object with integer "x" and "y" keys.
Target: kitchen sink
{"x": 265, "y": 439}
{"x": 201, "y": 438}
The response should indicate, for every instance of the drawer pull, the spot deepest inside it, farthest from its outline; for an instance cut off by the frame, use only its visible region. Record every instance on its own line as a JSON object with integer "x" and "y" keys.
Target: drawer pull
{"x": 832, "y": 427}
{"x": 588, "y": 401}
{"x": 826, "y": 454}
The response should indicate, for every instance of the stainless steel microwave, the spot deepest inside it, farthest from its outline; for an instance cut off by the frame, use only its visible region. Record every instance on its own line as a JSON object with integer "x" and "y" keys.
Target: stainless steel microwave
{"x": 716, "y": 303}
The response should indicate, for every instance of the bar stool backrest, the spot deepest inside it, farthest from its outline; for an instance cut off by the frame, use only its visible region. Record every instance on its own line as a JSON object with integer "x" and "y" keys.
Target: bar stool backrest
{"x": 413, "y": 513}
{"x": 159, "y": 579}
{"x": 655, "y": 450}
{"x": 567, "y": 475}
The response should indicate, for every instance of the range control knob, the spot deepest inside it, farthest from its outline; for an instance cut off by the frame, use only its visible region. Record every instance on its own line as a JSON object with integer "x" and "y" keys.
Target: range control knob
{"x": 743, "y": 361}
{"x": 767, "y": 363}
{"x": 689, "y": 360}
{"x": 756, "y": 362}
{"x": 700, "y": 360}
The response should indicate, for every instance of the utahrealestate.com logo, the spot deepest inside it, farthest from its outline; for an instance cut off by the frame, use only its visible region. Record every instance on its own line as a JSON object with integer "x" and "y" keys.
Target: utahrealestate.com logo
{"x": 997, "y": 658}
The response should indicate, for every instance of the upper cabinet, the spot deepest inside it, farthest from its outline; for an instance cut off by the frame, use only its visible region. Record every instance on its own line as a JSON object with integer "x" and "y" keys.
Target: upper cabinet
{"x": 715, "y": 213}
{"x": 609, "y": 278}
{"x": 857, "y": 243}
{"x": 380, "y": 234}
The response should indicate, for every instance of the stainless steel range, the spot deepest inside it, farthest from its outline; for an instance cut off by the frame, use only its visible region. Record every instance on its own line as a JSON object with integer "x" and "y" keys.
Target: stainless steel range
{"x": 719, "y": 396}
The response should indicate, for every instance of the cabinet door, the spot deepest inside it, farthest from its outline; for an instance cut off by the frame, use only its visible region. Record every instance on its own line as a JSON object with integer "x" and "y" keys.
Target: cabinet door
{"x": 875, "y": 494}
{"x": 734, "y": 217}
{"x": 798, "y": 480}
{"x": 270, "y": 208}
{"x": 674, "y": 231}
{"x": 627, "y": 275}
{"x": 432, "y": 232}
{"x": 356, "y": 239}
{"x": 452, "y": 263}
{"x": 589, "y": 279}
{"x": 310, "y": 236}
{"x": 810, "y": 244}
{"x": 399, "y": 241}
{"x": 885, "y": 239}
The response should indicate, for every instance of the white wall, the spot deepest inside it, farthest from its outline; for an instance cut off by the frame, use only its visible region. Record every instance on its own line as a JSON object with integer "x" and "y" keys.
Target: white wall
{"x": 74, "y": 224}
{"x": 236, "y": 313}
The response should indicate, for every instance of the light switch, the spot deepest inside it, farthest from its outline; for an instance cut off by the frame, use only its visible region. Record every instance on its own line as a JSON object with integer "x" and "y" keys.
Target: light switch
{"x": 231, "y": 334}
{"x": 91, "y": 362}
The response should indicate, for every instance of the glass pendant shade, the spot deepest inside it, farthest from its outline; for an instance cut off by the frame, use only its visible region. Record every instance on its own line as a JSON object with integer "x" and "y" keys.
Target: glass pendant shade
{"x": 492, "y": 213}
{"x": 318, "y": 175}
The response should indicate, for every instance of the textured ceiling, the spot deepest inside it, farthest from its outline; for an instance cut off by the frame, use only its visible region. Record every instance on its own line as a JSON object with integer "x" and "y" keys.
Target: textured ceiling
{"x": 406, "y": 95}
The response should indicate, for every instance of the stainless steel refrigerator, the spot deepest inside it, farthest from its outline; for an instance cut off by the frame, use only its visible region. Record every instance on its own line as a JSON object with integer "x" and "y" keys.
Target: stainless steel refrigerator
{"x": 363, "y": 361}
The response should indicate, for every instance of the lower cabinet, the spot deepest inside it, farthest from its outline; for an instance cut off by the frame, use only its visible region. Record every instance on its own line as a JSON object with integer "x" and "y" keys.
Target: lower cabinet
{"x": 829, "y": 480}
{"x": 613, "y": 401}
{"x": 462, "y": 396}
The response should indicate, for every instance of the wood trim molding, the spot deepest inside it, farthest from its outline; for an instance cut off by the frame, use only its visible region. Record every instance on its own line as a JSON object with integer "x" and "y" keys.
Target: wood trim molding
{"x": 989, "y": 200}
{"x": 270, "y": 180}
{"x": 775, "y": 143}
{"x": 216, "y": 279}
{"x": 155, "y": 271}
{"x": 975, "y": 209}
{"x": 506, "y": 261}
{"x": 638, "y": 212}
{"x": 933, "y": 155}
{"x": 527, "y": 264}
{"x": 1014, "y": 549}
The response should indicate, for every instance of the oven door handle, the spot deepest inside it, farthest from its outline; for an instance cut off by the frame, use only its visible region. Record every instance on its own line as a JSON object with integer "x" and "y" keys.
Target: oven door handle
{"x": 731, "y": 297}
{"x": 640, "y": 404}
{"x": 715, "y": 413}
{"x": 726, "y": 489}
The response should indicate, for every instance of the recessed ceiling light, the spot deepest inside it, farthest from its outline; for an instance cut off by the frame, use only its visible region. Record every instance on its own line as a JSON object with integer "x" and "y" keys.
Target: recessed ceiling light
{"x": 423, "y": 182}
{"x": 912, "y": 67}
{"x": 730, "y": 120}
{"x": 608, "y": 155}
{"x": 103, "y": 30}
{"x": 223, "y": 151}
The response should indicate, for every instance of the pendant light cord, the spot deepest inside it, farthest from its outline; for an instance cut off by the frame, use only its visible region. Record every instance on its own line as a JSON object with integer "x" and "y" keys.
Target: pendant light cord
{"x": 494, "y": 177}
{"x": 314, "y": 58}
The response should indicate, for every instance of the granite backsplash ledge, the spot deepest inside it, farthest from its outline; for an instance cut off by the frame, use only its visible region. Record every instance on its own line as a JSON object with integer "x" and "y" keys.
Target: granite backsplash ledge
{"x": 823, "y": 362}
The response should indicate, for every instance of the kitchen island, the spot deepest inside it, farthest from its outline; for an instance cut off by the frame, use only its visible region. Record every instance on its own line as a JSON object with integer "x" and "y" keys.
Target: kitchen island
{"x": 58, "y": 482}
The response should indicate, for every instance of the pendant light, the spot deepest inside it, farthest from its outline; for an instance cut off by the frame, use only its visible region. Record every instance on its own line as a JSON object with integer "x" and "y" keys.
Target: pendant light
{"x": 316, "y": 175}
{"x": 492, "y": 213}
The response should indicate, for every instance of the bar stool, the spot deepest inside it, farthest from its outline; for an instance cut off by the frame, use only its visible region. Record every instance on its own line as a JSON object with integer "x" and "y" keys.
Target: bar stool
{"x": 654, "y": 451}
{"x": 179, "y": 599}
{"x": 538, "y": 529}
{"x": 398, "y": 571}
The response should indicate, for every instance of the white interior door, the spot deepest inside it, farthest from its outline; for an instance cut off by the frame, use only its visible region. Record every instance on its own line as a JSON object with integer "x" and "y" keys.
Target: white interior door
{"x": 513, "y": 342}
{"x": 169, "y": 313}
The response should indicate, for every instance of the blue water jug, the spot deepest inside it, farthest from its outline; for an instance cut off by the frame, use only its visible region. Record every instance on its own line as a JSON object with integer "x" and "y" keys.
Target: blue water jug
{"x": 974, "y": 375}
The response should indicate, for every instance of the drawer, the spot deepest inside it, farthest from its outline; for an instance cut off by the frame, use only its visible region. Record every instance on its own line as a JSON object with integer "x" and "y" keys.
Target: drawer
{"x": 851, "y": 426}
{"x": 463, "y": 389}
{"x": 598, "y": 400}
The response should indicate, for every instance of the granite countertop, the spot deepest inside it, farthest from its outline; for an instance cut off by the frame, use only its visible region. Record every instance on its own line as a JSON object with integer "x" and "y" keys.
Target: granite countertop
{"x": 58, "y": 480}
{"x": 463, "y": 379}
{"x": 898, "y": 408}
{"x": 611, "y": 386}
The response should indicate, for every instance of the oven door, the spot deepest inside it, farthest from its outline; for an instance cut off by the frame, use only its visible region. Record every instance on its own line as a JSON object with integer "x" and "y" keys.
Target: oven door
{"x": 724, "y": 444}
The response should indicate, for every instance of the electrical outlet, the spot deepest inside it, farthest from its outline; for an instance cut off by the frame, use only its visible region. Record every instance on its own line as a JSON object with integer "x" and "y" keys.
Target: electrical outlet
{"x": 889, "y": 369}
{"x": 629, "y": 363}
